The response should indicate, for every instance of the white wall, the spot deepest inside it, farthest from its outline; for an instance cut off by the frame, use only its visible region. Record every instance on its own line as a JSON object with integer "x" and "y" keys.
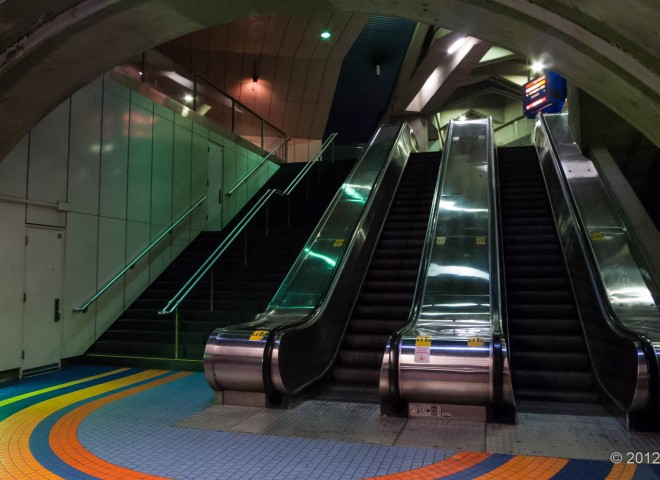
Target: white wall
{"x": 123, "y": 169}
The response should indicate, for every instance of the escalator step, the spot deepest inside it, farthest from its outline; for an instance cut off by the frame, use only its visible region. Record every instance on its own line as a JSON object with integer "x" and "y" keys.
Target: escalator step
{"x": 393, "y": 275}
{"x": 389, "y": 298}
{"x": 394, "y": 264}
{"x": 382, "y": 311}
{"x": 376, "y": 326}
{"x": 547, "y": 343}
{"x": 550, "y": 360}
{"x": 563, "y": 396}
{"x": 541, "y": 283}
{"x": 354, "y": 358}
{"x": 541, "y": 311}
{"x": 538, "y": 259}
{"x": 387, "y": 253}
{"x": 535, "y": 271}
{"x": 515, "y": 231}
{"x": 535, "y": 248}
{"x": 544, "y": 326}
{"x": 361, "y": 375}
{"x": 388, "y": 286}
{"x": 540, "y": 297}
{"x": 553, "y": 379}
{"x": 417, "y": 243}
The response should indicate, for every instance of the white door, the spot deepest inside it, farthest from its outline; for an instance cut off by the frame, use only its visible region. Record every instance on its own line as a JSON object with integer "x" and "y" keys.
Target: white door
{"x": 214, "y": 195}
{"x": 42, "y": 326}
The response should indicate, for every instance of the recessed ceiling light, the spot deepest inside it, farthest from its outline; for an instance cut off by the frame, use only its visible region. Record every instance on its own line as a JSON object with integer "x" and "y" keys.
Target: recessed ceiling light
{"x": 325, "y": 35}
{"x": 188, "y": 98}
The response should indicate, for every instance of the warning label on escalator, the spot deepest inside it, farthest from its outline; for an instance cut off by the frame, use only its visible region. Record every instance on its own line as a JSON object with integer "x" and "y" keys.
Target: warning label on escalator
{"x": 258, "y": 335}
{"x": 422, "y": 349}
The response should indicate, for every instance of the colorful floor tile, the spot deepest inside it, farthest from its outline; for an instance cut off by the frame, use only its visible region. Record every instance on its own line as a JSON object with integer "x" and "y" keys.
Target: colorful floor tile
{"x": 116, "y": 423}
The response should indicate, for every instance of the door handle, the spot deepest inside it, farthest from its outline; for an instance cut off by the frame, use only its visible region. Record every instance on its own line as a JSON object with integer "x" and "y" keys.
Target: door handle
{"x": 58, "y": 312}
{"x": 220, "y": 195}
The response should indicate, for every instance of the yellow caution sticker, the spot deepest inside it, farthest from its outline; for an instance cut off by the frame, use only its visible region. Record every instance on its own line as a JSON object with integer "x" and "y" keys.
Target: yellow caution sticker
{"x": 475, "y": 342}
{"x": 596, "y": 235}
{"x": 258, "y": 335}
{"x": 338, "y": 242}
{"x": 440, "y": 240}
{"x": 481, "y": 240}
{"x": 423, "y": 342}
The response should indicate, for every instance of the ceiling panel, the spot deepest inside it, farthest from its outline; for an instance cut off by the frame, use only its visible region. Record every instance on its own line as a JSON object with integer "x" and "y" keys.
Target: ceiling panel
{"x": 297, "y": 70}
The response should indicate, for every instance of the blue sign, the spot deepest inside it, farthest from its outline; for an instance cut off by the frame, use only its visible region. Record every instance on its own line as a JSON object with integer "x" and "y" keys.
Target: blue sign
{"x": 546, "y": 93}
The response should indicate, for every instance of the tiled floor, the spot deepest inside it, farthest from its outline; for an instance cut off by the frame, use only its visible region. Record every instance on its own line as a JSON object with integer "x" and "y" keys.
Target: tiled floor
{"x": 95, "y": 422}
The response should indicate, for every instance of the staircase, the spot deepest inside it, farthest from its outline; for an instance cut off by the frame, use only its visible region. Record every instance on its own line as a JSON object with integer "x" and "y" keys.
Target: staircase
{"x": 241, "y": 284}
{"x": 549, "y": 358}
{"x": 385, "y": 300}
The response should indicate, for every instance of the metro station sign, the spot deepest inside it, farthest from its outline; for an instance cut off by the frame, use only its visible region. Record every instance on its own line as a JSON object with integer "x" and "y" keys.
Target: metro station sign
{"x": 546, "y": 93}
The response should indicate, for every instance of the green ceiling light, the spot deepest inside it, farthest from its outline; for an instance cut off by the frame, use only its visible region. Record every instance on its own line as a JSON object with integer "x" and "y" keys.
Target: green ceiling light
{"x": 325, "y": 35}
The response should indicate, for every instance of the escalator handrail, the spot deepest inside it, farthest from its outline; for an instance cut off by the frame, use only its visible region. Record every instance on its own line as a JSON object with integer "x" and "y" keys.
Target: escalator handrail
{"x": 607, "y": 310}
{"x": 253, "y": 357}
{"x": 319, "y": 310}
{"x": 497, "y": 279}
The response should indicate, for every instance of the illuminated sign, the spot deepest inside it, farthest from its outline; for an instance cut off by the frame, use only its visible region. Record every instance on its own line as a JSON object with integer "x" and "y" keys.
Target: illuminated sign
{"x": 546, "y": 93}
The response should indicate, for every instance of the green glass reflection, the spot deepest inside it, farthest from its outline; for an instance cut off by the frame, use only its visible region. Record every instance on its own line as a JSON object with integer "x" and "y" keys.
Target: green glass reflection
{"x": 307, "y": 281}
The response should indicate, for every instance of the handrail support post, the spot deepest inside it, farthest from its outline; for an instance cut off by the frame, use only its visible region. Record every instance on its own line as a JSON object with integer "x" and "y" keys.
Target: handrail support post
{"x": 245, "y": 249}
{"x": 176, "y": 333}
{"x": 212, "y": 289}
{"x": 288, "y": 211}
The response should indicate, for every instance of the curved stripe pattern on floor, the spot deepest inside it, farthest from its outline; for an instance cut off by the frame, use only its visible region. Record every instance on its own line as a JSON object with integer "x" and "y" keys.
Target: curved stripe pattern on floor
{"x": 41, "y": 437}
{"x": 486, "y": 466}
{"x": 18, "y": 458}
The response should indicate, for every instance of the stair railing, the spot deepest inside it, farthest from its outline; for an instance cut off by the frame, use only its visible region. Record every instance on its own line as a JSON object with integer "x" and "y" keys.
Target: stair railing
{"x": 263, "y": 161}
{"x": 83, "y": 308}
{"x": 173, "y": 305}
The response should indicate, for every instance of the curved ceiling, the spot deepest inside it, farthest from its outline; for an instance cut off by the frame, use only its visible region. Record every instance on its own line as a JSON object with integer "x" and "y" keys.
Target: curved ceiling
{"x": 610, "y": 49}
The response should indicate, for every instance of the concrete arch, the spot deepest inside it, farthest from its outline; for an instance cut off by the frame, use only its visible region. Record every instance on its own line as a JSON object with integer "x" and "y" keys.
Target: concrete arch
{"x": 608, "y": 48}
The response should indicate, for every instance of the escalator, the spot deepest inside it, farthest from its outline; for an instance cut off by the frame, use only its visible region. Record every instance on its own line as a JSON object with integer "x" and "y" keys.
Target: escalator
{"x": 549, "y": 357}
{"x": 385, "y": 299}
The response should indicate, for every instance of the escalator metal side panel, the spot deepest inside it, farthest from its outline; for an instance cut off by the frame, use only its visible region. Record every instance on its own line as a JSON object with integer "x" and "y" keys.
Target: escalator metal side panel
{"x": 617, "y": 306}
{"x": 446, "y": 354}
{"x": 304, "y": 353}
{"x": 238, "y": 358}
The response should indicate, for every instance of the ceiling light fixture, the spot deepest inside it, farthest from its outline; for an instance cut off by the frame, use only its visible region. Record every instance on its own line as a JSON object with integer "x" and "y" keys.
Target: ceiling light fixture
{"x": 537, "y": 66}
{"x": 325, "y": 35}
{"x": 188, "y": 98}
{"x": 456, "y": 45}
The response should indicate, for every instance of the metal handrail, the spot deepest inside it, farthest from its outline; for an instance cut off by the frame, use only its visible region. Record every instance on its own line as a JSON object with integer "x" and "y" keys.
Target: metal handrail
{"x": 183, "y": 292}
{"x": 510, "y": 122}
{"x": 247, "y": 175}
{"x": 204, "y": 79}
{"x": 86, "y": 305}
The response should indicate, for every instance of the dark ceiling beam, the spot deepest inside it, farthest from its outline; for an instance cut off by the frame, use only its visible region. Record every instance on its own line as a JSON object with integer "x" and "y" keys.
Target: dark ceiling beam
{"x": 512, "y": 66}
{"x": 455, "y": 71}
{"x": 408, "y": 89}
